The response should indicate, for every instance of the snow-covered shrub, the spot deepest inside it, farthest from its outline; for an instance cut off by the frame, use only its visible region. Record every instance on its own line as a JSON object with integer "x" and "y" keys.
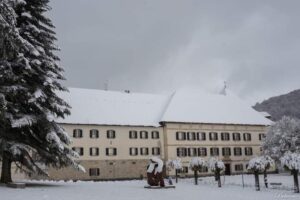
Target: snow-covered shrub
{"x": 291, "y": 161}
{"x": 174, "y": 164}
{"x": 260, "y": 163}
{"x": 197, "y": 163}
{"x": 215, "y": 163}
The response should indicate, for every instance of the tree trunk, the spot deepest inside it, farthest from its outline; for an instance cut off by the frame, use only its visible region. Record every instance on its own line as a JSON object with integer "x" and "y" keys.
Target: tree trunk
{"x": 196, "y": 176}
{"x": 6, "y": 169}
{"x": 176, "y": 175}
{"x": 218, "y": 177}
{"x": 296, "y": 182}
{"x": 266, "y": 178}
{"x": 256, "y": 181}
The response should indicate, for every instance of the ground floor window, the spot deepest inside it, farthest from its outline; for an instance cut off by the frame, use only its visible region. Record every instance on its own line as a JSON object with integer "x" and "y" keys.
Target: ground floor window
{"x": 94, "y": 171}
{"x": 238, "y": 167}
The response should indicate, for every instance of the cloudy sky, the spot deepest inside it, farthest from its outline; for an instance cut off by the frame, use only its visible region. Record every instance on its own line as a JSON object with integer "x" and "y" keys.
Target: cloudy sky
{"x": 158, "y": 46}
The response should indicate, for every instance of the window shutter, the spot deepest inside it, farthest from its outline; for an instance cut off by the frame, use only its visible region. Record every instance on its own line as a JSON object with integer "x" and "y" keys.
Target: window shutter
{"x": 229, "y": 151}
{"x": 158, "y": 151}
{"x": 223, "y": 151}
{"x": 98, "y": 171}
{"x": 204, "y": 136}
{"x": 130, "y": 134}
{"x": 184, "y": 135}
{"x": 177, "y": 136}
{"x": 185, "y": 151}
{"x": 91, "y": 151}
{"x": 146, "y": 135}
{"x": 211, "y": 151}
{"x": 81, "y": 151}
{"x": 249, "y": 137}
{"x": 147, "y": 151}
{"x": 74, "y": 135}
{"x": 189, "y": 151}
{"x": 178, "y": 154}
{"x": 205, "y": 152}
{"x": 107, "y": 151}
{"x": 244, "y": 136}
{"x": 222, "y": 136}
{"x": 115, "y": 151}
{"x": 130, "y": 151}
{"x": 97, "y": 151}
{"x": 216, "y": 136}
{"x": 198, "y": 136}
{"x": 188, "y": 135}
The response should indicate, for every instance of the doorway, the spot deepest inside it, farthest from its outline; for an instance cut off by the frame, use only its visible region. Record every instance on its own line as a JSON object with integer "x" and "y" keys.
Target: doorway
{"x": 227, "y": 169}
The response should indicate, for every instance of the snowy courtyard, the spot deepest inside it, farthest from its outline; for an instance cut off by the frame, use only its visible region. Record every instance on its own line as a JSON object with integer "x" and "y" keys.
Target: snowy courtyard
{"x": 125, "y": 190}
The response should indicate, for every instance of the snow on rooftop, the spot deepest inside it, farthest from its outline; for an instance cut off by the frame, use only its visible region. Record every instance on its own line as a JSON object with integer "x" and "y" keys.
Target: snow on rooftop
{"x": 194, "y": 106}
{"x": 113, "y": 108}
{"x": 137, "y": 109}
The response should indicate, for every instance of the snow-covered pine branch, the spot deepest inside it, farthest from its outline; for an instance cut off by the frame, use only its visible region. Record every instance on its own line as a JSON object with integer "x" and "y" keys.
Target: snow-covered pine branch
{"x": 291, "y": 161}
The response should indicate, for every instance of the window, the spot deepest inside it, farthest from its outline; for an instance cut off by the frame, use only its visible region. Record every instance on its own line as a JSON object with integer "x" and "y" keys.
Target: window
{"x": 201, "y": 136}
{"x": 181, "y": 152}
{"x": 156, "y": 151}
{"x": 155, "y": 135}
{"x": 94, "y": 151}
{"x": 133, "y": 151}
{"x": 213, "y": 136}
{"x": 133, "y": 134}
{"x": 143, "y": 134}
{"x": 191, "y": 135}
{"x": 184, "y": 170}
{"x": 214, "y": 151}
{"x": 180, "y": 136}
{"x": 94, "y": 133}
{"x": 237, "y": 151}
{"x": 202, "y": 151}
{"x": 226, "y": 151}
{"x": 247, "y": 136}
{"x": 238, "y": 167}
{"x": 248, "y": 151}
{"x": 203, "y": 169}
{"x": 94, "y": 171}
{"x": 111, "y": 151}
{"x": 111, "y": 134}
{"x": 236, "y": 136}
{"x": 144, "y": 151}
{"x": 261, "y": 136}
{"x": 225, "y": 136}
{"x": 192, "y": 152}
{"x": 79, "y": 150}
{"x": 77, "y": 133}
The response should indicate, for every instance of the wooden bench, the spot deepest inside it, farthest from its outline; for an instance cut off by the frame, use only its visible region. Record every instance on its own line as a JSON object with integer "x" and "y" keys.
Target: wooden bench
{"x": 16, "y": 185}
{"x": 275, "y": 185}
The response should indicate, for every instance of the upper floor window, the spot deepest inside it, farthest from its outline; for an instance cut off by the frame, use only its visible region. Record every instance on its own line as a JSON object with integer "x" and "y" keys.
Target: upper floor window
{"x": 133, "y": 151}
{"x": 94, "y": 133}
{"x": 226, "y": 151}
{"x": 111, "y": 151}
{"x": 133, "y": 134}
{"x": 202, "y": 151}
{"x": 94, "y": 151}
{"x": 94, "y": 171}
{"x": 214, "y": 151}
{"x": 262, "y": 136}
{"x": 236, "y": 136}
{"x": 225, "y": 136}
{"x": 77, "y": 133}
{"x": 248, "y": 151}
{"x": 181, "y": 152}
{"x": 192, "y": 152}
{"x": 111, "y": 134}
{"x": 191, "y": 135}
{"x": 155, "y": 135}
{"x": 239, "y": 167}
{"x": 237, "y": 151}
{"x": 180, "y": 136}
{"x": 79, "y": 150}
{"x": 143, "y": 134}
{"x": 156, "y": 151}
{"x": 144, "y": 151}
{"x": 201, "y": 136}
{"x": 247, "y": 136}
{"x": 213, "y": 136}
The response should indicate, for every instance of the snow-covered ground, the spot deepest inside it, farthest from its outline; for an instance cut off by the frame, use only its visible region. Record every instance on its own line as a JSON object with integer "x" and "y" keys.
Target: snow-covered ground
{"x": 133, "y": 190}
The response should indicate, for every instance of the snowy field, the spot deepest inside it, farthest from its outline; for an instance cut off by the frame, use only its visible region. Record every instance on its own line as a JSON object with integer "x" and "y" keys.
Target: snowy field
{"x": 133, "y": 190}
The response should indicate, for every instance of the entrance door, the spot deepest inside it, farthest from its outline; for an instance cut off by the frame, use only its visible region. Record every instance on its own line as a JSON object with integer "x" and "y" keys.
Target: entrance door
{"x": 227, "y": 169}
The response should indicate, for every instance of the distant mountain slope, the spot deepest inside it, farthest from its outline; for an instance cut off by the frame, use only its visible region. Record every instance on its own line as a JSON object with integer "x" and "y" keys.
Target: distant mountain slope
{"x": 277, "y": 107}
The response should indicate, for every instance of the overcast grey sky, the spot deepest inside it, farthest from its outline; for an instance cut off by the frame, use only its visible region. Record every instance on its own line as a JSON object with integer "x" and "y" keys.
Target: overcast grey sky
{"x": 158, "y": 46}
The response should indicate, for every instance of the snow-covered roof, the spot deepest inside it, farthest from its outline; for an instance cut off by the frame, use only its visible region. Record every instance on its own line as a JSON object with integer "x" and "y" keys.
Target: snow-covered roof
{"x": 194, "y": 106}
{"x": 137, "y": 109}
{"x": 113, "y": 108}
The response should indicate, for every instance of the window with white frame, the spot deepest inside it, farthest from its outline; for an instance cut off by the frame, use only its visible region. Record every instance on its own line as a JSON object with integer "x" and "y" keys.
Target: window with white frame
{"x": 225, "y": 136}
{"x": 133, "y": 134}
{"x": 133, "y": 151}
{"x": 191, "y": 135}
{"x": 214, "y": 151}
{"x": 143, "y": 134}
{"x": 236, "y": 136}
{"x": 213, "y": 136}
{"x": 180, "y": 135}
{"x": 144, "y": 151}
{"x": 77, "y": 133}
{"x": 261, "y": 136}
{"x": 155, "y": 135}
{"x": 94, "y": 171}
{"x": 94, "y": 151}
{"x": 79, "y": 150}
{"x": 192, "y": 152}
{"x": 181, "y": 152}
{"x": 237, "y": 151}
{"x": 94, "y": 133}
{"x": 239, "y": 167}
{"x": 248, "y": 151}
{"x": 247, "y": 136}
{"x": 226, "y": 151}
{"x": 111, "y": 151}
{"x": 201, "y": 136}
{"x": 202, "y": 151}
{"x": 111, "y": 134}
{"x": 155, "y": 151}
